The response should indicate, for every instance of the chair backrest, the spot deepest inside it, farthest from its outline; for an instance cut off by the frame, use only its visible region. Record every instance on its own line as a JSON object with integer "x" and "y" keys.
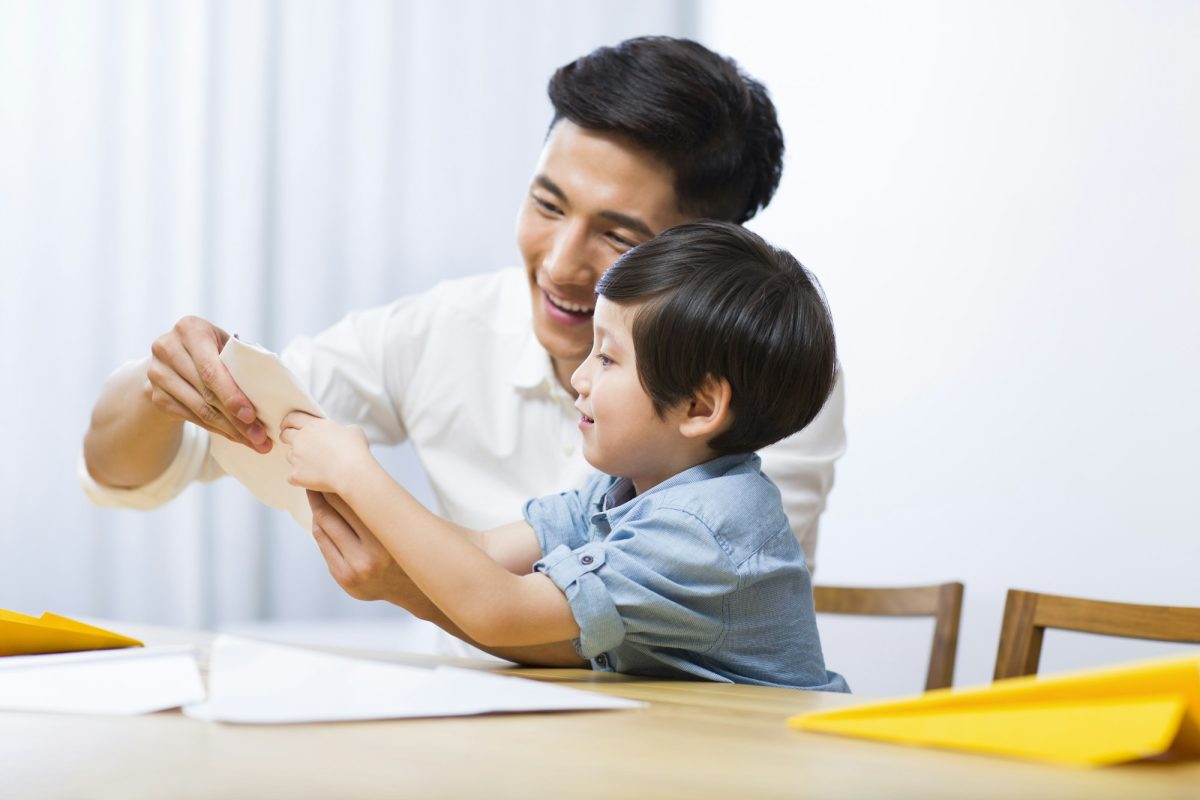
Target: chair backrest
{"x": 1028, "y": 614}
{"x": 942, "y": 601}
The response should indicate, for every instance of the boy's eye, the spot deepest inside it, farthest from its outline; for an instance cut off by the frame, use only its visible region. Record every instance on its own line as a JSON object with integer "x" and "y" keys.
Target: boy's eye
{"x": 603, "y": 359}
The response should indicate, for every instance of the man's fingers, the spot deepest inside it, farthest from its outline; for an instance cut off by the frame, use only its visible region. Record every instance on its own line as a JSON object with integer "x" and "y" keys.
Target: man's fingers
{"x": 189, "y": 354}
{"x": 169, "y": 404}
{"x": 346, "y": 513}
{"x": 332, "y": 522}
{"x": 203, "y": 342}
{"x": 333, "y": 557}
{"x": 171, "y": 393}
{"x": 204, "y": 369}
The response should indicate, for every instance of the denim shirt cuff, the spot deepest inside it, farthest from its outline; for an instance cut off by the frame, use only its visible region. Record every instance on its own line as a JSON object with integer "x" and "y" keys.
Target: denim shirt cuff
{"x": 573, "y": 571}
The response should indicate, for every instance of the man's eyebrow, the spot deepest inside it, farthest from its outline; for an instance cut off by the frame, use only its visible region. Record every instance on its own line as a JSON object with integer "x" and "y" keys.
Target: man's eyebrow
{"x": 624, "y": 220}
{"x": 550, "y": 186}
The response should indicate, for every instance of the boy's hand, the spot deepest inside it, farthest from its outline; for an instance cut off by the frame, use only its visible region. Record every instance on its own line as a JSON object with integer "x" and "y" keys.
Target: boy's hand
{"x": 324, "y": 455}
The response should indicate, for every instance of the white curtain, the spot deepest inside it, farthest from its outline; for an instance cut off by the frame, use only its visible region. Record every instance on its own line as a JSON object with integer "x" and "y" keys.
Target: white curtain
{"x": 267, "y": 165}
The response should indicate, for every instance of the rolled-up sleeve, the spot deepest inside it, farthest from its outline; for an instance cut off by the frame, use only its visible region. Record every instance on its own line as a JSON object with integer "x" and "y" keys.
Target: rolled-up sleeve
{"x": 191, "y": 462}
{"x": 644, "y": 587}
{"x": 573, "y": 571}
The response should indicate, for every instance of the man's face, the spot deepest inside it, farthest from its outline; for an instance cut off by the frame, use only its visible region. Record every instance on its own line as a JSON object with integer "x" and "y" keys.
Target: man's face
{"x": 593, "y": 196}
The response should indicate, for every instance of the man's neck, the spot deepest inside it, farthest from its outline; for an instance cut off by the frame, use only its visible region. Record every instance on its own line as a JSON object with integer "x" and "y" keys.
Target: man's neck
{"x": 563, "y": 371}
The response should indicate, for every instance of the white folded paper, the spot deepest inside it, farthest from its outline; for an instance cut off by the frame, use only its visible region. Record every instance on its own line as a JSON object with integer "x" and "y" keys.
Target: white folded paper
{"x": 254, "y": 682}
{"x": 131, "y": 680}
{"x": 275, "y": 392}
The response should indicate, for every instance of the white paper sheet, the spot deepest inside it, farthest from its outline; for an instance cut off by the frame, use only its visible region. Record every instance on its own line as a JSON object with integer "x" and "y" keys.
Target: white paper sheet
{"x": 255, "y": 682}
{"x": 275, "y": 392}
{"x": 131, "y": 680}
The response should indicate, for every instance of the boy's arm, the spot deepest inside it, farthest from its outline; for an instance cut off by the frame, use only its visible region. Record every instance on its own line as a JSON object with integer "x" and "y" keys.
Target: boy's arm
{"x": 487, "y": 602}
{"x": 339, "y": 531}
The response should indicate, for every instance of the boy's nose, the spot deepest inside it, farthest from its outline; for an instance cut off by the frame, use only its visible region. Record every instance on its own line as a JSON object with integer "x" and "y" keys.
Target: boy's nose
{"x": 579, "y": 380}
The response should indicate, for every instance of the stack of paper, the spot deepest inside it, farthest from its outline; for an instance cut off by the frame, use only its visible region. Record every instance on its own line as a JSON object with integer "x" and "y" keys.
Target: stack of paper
{"x": 1091, "y": 718}
{"x": 129, "y": 681}
{"x": 254, "y": 682}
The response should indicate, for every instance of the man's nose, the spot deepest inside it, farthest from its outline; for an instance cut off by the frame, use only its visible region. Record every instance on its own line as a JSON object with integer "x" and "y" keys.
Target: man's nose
{"x": 568, "y": 260}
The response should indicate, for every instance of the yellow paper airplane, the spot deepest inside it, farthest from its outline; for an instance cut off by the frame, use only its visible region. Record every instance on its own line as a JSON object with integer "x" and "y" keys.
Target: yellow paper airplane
{"x": 22, "y": 635}
{"x": 1089, "y": 718}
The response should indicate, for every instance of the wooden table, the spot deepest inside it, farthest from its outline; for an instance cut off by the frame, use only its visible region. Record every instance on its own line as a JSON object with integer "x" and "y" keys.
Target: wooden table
{"x": 695, "y": 740}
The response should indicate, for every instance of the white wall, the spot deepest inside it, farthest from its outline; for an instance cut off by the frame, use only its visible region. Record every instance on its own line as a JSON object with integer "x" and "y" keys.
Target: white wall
{"x": 1003, "y": 202}
{"x": 270, "y": 166}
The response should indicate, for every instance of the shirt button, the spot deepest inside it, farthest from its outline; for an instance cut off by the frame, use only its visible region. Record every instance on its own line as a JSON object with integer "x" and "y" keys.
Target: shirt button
{"x": 602, "y": 661}
{"x": 585, "y": 560}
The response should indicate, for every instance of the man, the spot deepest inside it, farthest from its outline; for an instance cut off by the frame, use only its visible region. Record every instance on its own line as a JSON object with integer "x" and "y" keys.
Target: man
{"x": 475, "y": 372}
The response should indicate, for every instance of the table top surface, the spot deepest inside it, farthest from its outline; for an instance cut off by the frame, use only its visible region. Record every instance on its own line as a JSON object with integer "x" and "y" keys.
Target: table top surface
{"x": 694, "y": 740}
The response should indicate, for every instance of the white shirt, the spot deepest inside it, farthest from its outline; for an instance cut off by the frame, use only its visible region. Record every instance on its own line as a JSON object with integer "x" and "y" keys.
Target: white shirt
{"x": 459, "y": 373}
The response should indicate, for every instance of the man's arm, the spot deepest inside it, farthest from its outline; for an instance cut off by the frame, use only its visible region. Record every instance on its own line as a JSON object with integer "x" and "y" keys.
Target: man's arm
{"x": 137, "y": 421}
{"x": 802, "y": 466}
{"x": 361, "y": 566}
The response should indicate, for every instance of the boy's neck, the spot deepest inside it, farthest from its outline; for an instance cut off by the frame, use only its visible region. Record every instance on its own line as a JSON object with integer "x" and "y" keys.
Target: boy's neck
{"x": 643, "y": 485}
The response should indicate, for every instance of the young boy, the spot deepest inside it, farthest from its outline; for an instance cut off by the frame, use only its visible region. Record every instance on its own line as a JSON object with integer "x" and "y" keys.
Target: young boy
{"x": 709, "y": 344}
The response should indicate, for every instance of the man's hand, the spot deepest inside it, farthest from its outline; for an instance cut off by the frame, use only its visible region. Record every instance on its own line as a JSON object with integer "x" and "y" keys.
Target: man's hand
{"x": 186, "y": 379}
{"x": 357, "y": 560}
{"x": 366, "y": 571}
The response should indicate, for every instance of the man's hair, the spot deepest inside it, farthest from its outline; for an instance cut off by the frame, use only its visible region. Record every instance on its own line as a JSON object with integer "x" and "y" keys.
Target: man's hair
{"x": 714, "y": 299}
{"x": 694, "y": 110}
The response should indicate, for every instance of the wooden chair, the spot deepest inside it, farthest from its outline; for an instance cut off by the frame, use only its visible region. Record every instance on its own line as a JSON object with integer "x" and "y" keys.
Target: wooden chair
{"x": 942, "y": 601}
{"x": 1027, "y": 615}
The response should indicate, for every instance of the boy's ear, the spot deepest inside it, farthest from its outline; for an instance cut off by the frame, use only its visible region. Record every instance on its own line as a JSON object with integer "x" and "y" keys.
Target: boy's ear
{"x": 707, "y": 413}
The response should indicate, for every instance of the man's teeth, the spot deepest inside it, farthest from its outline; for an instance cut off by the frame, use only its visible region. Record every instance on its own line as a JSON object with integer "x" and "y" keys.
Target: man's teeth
{"x": 572, "y": 307}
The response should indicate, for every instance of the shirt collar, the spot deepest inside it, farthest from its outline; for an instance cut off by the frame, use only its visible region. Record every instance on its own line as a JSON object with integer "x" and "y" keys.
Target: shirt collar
{"x": 619, "y": 500}
{"x": 532, "y": 366}
{"x": 533, "y": 371}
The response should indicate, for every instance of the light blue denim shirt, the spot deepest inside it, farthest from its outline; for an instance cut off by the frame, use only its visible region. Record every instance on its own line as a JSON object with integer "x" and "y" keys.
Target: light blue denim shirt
{"x": 699, "y": 577}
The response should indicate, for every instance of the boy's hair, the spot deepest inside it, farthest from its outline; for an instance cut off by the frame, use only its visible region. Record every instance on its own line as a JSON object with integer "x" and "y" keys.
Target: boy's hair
{"x": 694, "y": 110}
{"x": 714, "y": 299}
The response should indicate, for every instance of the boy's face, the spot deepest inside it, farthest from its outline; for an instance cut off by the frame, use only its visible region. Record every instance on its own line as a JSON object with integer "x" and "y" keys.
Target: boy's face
{"x": 592, "y": 197}
{"x": 622, "y": 434}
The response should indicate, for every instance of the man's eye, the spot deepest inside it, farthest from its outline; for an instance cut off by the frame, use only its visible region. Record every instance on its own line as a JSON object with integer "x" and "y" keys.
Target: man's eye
{"x": 546, "y": 206}
{"x": 621, "y": 241}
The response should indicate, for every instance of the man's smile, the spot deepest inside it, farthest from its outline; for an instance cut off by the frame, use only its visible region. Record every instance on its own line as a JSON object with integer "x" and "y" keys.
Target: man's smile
{"x": 577, "y": 311}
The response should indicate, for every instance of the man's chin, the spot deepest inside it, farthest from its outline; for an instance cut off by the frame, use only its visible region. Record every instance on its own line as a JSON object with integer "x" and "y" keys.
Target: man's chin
{"x": 562, "y": 346}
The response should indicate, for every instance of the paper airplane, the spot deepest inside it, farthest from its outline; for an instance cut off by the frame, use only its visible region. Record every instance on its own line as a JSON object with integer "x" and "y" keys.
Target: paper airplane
{"x": 1089, "y": 718}
{"x": 275, "y": 392}
{"x": 24, "y": 635}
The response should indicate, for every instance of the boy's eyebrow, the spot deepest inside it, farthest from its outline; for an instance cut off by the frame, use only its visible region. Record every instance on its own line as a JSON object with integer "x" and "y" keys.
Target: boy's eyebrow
{"x": 624, "y": 220}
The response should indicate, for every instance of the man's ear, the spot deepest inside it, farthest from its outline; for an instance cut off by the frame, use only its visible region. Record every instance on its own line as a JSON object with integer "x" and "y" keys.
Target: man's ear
{"x": 708, "y": 413}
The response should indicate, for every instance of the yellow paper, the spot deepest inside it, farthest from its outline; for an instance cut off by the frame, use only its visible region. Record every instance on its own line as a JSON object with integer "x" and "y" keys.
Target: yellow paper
{"x": 1091, "y": 718}
{"x": 22, "y": 635}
